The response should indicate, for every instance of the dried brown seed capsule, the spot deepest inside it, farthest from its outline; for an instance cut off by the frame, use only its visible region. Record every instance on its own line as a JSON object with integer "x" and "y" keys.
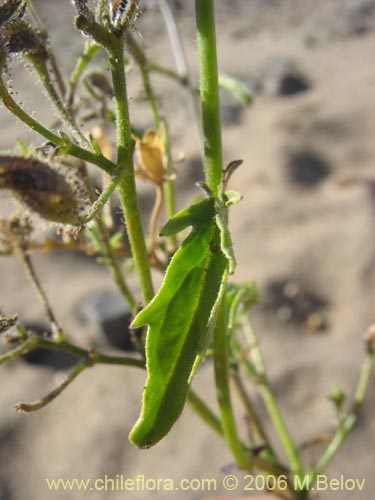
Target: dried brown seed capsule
{"x": 42, "y": 188}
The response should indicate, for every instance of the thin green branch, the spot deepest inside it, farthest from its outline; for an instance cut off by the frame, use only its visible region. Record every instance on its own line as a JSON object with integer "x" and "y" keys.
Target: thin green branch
{"x": 51, "y": 55}
{"x": 115, "y": 267}
{"x": 41, "y": 403}
{"x": 209, "y": 92}
{"x": 91, "y": 49}
{"x": 63, "y": 142}
{"x": 242, "y": 456}
{"x": 347, "y": 424}
{"x": 141, "y": 60}
{"x": 103, "y": 198}
{"x": 127, "y": 187}
{"x": 42, "y": 70}
{"x": 257, "y": 431}
{"x": 205, "y": 412}
{"x": 270, "y": 400}
{"x": 34, "y": 340}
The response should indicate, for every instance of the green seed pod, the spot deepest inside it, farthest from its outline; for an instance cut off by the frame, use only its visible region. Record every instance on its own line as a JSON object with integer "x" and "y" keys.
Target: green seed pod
{"x": 43, "y": 189}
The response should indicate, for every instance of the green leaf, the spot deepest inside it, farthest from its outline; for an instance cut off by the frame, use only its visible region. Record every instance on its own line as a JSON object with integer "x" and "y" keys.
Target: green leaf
{"x": 180, "y": 317}
{"x": 236, "y": 88}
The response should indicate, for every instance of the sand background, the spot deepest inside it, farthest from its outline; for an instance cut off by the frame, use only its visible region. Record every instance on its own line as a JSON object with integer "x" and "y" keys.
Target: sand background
{"x": 320, "y": 237}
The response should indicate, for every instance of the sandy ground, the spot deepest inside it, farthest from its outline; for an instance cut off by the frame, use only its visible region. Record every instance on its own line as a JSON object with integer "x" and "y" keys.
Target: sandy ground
{"x": 317, "y": 235}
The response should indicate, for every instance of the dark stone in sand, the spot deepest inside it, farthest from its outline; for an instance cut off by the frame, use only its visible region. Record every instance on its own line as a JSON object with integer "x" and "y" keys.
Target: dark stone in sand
{"x": 111, "y": 315}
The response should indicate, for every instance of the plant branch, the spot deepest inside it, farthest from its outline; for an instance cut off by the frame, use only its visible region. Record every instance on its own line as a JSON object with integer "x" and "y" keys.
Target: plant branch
{"x": 41, "y": 403}
{"x": 270, "y": 399}
{"x": 63, "y": 142}
{"x": 91, "y": 49}
{"x": 209, "y": 92}
{"x": 141, "y": 60}
{"x": 347, "y": 424}
{"x": 40, "y": 291}
{"x": 220, "y": 346}
{"x": 51, "y": 55}
{"x": 42, "y": 70}
{"x": 33, "y": 340}
{"x": 127, "y": 187}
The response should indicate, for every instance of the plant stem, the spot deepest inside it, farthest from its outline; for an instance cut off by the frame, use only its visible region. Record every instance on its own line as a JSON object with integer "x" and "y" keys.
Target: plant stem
{"x": 42, "y": 70}
{"x": 220, "y": 347}
{"x": 41, "y": 293}
{"x": 114, "y": 266}
{"x": 209, "y": 92}
{"x": 141, "y": 60}
{"x": 34, "y": 340}
{"x": 270, "y": 400}
{"x": 64, "y": 142}
{"x": 205, "y": 20}
{"x": 51, "y": 55}
{"x": 350, "y": 420}
{"x": 127, "y": 187}
{"x": 204, "y": 412}
{"x": 41, "y": 403}
{"x": 259, "y": 435}
{"x": 91, "y": 49}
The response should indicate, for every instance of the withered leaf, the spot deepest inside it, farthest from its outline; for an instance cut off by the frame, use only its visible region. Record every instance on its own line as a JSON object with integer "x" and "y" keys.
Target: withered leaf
{"x": 42, "y": 188}
{"x": 151, "y": 156}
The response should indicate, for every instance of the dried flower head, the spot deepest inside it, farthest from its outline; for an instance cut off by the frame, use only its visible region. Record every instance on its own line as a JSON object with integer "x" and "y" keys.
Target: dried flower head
{"x": 11, "y": 10}
{"x": 14, "y": 233}
{"x": 7, "y": 323}
{"x": 42, "y": 188}
{"x": 121, "y": 12}
{"x": 21, "y": 37}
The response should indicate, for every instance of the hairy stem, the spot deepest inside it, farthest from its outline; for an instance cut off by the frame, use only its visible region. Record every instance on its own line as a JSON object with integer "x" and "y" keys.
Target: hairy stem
{"x": 127, "y": 187}
{"x": 91, "y": 49}
{"x": 209, "y": 92}
{"x": 141, "y": 60}
{"x": 63, "y": 142}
